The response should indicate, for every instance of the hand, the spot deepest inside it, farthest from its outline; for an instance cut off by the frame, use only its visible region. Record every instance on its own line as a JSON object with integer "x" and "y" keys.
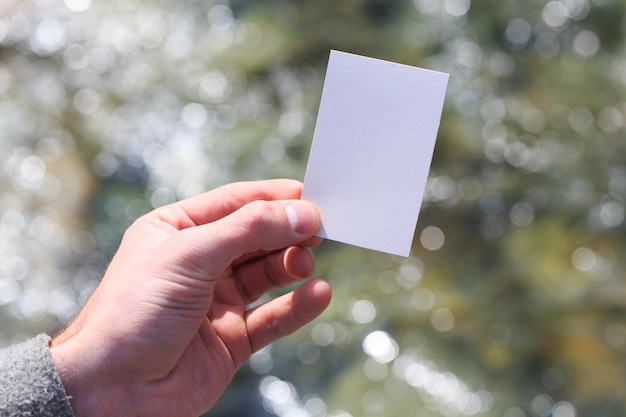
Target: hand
{"x": 168, "y": 326}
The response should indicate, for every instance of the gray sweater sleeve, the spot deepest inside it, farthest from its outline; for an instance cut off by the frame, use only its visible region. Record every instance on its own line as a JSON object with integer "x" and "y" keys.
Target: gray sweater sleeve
{"x": 29, "y": 383}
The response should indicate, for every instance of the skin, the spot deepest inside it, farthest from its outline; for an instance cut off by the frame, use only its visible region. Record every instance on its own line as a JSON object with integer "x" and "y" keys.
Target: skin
{"x": 168, "y": 326}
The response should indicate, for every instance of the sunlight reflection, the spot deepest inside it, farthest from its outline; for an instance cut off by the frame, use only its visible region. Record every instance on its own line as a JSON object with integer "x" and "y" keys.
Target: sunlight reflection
{"x": 380, "y": 346}
{"x": 362, "y": 311}
{"x": 441, "y": 389}
{"x": 281, "y": 398}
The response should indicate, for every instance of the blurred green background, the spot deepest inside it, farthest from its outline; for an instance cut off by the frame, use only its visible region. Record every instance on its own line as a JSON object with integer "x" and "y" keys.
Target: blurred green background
{"x": 512, "y": 303}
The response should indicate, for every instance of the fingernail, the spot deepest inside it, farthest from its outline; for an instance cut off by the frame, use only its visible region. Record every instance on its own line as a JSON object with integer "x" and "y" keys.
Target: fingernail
{"x": 302, "y": 217}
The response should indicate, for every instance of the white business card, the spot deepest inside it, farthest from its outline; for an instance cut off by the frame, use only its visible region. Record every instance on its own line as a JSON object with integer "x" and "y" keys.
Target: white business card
{"x": 372, "y": 149}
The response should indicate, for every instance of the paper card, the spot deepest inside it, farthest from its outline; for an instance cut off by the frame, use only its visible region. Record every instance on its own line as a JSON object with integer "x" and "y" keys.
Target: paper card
{"x": 372, "y": 148}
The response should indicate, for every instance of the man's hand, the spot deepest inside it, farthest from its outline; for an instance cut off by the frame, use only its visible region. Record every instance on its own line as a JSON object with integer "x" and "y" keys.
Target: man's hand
{"x": 168, "y": 326}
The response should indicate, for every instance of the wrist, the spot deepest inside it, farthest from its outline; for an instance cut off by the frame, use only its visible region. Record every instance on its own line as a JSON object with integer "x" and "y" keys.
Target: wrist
{"x": 83, "y": 379}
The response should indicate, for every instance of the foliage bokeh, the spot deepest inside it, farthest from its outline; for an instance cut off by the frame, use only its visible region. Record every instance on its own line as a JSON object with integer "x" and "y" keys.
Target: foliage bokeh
{"x": 512, "y": 303}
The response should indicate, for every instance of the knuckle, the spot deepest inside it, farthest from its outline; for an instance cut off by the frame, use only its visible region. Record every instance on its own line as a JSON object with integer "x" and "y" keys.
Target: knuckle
{"x": 259, "y": 217}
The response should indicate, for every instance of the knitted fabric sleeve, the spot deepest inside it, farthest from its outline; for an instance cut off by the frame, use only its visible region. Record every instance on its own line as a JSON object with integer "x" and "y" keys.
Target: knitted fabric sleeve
{"x": 29, "y": 383}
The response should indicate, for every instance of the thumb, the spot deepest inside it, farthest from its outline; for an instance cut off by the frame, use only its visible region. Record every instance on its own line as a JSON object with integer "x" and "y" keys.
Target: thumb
{"x": 257, "y": 227}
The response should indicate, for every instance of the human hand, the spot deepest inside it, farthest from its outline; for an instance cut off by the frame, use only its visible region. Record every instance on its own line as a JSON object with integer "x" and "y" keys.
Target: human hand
{"x": 168, "y": 326}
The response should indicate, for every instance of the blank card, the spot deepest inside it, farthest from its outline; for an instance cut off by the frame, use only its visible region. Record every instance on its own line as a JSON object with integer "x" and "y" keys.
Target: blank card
{"x": 371, "y": 151}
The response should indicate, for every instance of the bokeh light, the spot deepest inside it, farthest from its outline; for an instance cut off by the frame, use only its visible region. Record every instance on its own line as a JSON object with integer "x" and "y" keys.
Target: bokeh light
{"x": 512, "y": 302}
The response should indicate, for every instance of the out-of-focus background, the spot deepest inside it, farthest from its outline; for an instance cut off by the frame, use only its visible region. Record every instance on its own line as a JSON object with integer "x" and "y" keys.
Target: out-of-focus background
{"x": 513, "y": 301}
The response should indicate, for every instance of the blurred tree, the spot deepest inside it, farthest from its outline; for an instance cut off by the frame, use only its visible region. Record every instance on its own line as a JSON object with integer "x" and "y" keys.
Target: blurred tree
{"x": 512, "y": 303}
